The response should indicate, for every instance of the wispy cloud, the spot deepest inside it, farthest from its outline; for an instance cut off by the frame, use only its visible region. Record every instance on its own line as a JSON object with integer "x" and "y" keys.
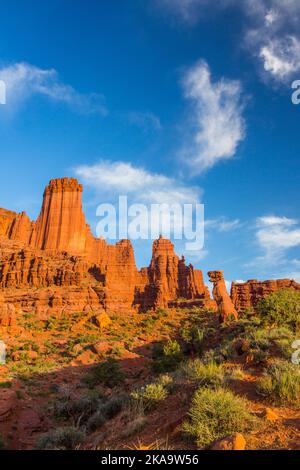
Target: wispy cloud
{"x": 271, "y": 34}
{"x": 147, "y": 121}
{"x": 24, "y": 80}
{"x": 275, "y": 237}
{"x": 281, "y": 57}
{"x": 222, "y": 224}
{"x": 144, "y": 186}
{"x": 218, "y": 125}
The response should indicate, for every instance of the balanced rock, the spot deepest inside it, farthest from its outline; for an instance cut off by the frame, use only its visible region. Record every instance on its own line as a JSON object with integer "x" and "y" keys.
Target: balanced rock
{"x": 226, "y": 308}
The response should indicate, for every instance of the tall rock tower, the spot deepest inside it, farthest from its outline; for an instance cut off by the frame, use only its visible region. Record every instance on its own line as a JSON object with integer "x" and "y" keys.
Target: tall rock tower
{"x": 61, "y": 225}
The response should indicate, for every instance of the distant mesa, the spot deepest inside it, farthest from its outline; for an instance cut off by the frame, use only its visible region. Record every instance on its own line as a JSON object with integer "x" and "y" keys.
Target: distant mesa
{"x": 55, "y": 264}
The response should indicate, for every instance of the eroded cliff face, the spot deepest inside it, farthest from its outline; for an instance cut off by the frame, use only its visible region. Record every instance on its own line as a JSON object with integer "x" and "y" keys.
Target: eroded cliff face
{"x": 246, "y": 295}
{"x": 56, "y": 265}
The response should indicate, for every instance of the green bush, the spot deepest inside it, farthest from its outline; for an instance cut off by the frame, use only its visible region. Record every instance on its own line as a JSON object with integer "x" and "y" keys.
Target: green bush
{"x": 107, "y": 373}
{"x": 281, "y": 308}
{"x": 150, "y": 395}
{"x": 167, "y": 357}
{"x": 281, "y": 383}
{"x": 215, "y": 414}
{"x": 61, "y": 439}
{"x": 210, "y": 374}
{"x": 193, "y": 337}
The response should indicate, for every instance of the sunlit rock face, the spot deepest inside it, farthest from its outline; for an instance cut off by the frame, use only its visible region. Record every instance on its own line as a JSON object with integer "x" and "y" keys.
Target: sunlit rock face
{"x": 56, "y": 265}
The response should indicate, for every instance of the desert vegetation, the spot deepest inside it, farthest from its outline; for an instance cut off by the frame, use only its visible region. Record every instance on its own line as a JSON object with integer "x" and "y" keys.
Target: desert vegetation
{"x": 171, "y": 379}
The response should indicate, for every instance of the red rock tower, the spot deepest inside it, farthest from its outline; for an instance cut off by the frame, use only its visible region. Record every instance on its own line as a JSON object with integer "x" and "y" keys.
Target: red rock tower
{"x": 61, "y": 225}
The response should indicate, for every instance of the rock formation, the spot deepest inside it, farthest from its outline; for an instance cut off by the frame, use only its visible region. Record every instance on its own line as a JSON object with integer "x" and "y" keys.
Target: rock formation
{"x": 246, "y": 295}
{"x": 56, "y": 265}
{"x": 168, "y": 278}
{"x": 226, "y": 308}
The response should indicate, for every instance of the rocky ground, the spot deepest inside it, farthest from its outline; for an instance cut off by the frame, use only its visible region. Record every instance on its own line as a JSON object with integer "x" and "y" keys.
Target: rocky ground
{"x": 52, "y": 381}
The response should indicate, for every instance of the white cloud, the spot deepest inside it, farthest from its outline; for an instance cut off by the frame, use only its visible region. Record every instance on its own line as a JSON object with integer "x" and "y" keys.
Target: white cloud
{"x": 222, "y": 224}
{"x": 217, "y": 114}
{"x": 275, "y": 236}
{"x": 146, "y": 187}
{"x": 272, "y": 29}
{"x": 281, "y": 57}
{"x": 110, "y": 180}
{"x": 25, "y": 80}
{"x": 272, "y": 220}
{"x": 270, "y": 17}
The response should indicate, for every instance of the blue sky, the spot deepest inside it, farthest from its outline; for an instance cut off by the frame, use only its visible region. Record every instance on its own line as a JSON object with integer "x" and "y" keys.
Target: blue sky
{"x": 164, "y": 100}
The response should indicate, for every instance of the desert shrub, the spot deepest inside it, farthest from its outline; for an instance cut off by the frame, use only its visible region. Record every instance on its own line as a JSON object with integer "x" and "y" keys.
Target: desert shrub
{"x": 137, "y": 424}
{"x": 161, "y": 313}
{"x": 210, "y": 374}
{"x": 96, "y": 421}
{"x": 281, "y": 383}
{"x": 80, "y": 409}
{"x": 133, "y": 417}
{"x": 193, "y": 338}
{"x": 61, "y": 439}
{"x": 113, "y": 406}
{"x": 150, "y": 396}
{"x": 282, "y": 308}
{"x": 167, "y": 357}
{"x": 237, "y": 373}
{"x": 258, "y": 341}
{"x": 107, "y": 373}
{"x": 166, "y": 380}
{"x": 107, "y": 411}
{"x": 215, "y": 414}
{"x": 284, "y": 346}
{"x": 213, "y": 355}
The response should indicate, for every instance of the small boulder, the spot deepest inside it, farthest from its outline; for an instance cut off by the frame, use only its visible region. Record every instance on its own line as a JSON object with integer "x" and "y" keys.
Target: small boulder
{"x": 234, "y": 442}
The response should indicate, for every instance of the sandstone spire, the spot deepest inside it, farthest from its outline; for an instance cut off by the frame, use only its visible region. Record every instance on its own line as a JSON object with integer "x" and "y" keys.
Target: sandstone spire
{"x": 61, "y": 225}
